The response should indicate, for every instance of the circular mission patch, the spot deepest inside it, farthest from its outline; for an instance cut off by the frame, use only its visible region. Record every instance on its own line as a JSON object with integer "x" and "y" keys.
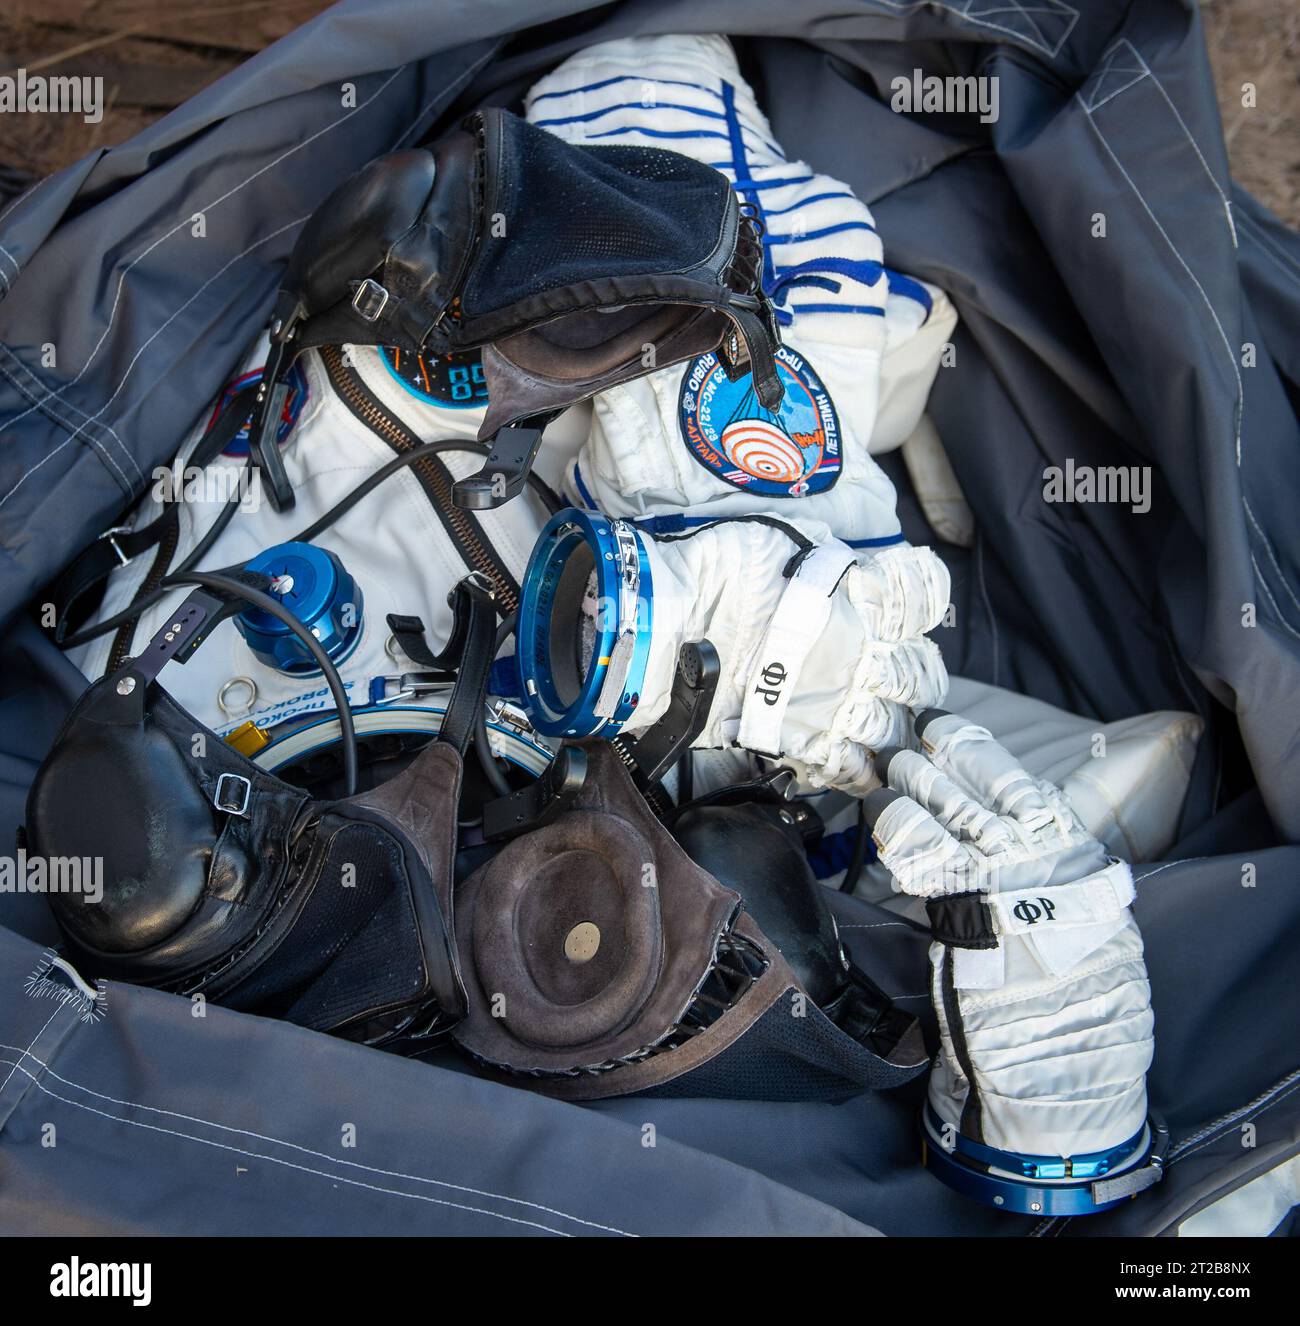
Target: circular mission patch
{"x": 454, "y": 382}
{"x": 792, "y": 451}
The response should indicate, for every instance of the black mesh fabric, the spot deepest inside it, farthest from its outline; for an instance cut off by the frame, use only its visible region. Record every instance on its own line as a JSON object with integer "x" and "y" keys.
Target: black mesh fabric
{"x": 355, "y": 944}
{"x": 784, "y": 1057}
{"x": 557, "y": 215}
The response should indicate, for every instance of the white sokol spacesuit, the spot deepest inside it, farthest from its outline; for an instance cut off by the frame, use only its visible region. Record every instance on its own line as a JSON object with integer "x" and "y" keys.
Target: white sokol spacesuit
{"x": 1038, "y": 978}
{"x": 775, "y": 536}
{"x": 861, "y": 343}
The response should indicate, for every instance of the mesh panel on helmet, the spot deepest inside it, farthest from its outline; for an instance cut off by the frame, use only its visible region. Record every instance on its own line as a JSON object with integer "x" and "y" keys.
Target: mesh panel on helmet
{"x": 569, "y": 214}
{"x": 355, "y": 945}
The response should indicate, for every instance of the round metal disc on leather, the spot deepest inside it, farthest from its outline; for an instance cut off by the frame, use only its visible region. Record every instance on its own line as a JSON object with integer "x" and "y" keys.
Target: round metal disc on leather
{"x": 530, "y": 925}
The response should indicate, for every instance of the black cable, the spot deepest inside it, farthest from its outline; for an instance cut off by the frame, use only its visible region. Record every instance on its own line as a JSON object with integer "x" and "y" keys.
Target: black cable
{"x": 88, "y": 633}
{"x": 224, "y": 517}
{"x": 505, "y": 631}
{"x": 859, "y": 857}
{"x": 237, "y": 589}
{"x": 545, "y": 493}
{"x": 548, "y": 497}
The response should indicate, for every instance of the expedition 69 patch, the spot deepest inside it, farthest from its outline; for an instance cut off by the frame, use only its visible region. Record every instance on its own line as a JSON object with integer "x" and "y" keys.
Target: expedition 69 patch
{"x": 792, "y": 451}
{"x": 454, "y": 382}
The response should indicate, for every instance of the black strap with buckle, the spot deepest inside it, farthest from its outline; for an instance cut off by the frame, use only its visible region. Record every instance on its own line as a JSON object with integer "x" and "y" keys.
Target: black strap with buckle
{"x": 121, "y": 544}
{"x": 473, "y": 647}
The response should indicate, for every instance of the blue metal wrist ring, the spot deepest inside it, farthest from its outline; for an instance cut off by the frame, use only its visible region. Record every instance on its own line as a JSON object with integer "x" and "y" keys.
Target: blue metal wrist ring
{"x": 585, "y": 620}
{"x": 1045, "y": 1185}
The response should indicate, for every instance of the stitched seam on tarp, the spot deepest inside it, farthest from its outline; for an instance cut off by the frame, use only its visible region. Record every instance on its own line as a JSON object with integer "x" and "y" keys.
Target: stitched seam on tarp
{"x": 158, "y": 331}
{"x": 29, "y": 384}
{"x": 1057, "y": 8}
{"x": 255, "y": 1155}
{"x": 204, "y": 209}
{"x": 1232, "y": 232}
{"x": 1238, "y": 404}
{"x": 71, "y": 1020}
{"x": 293, "y": 1146}
{"x": 44, "y": 407}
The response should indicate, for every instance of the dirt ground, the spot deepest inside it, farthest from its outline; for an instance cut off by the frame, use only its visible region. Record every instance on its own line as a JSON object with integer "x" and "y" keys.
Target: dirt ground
{"x": 153, "y": 54}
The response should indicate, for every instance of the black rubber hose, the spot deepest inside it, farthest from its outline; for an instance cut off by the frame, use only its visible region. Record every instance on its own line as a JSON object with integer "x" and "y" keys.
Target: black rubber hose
{"x": 267, "y": 603}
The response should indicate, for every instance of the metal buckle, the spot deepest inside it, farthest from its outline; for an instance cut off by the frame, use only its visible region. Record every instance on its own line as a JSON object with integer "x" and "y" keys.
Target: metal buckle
{"x": 370, "y": 299}
{"x": 111, "y": 536}
{"x": 232, "y": 803}
{"x": 479, "y": 580}
{"x": 503, "y": 713}
{"x": 390, "y": 688}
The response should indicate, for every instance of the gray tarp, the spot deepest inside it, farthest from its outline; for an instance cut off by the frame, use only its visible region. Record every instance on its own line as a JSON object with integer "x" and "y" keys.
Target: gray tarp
{"x": 1169, "y": 341}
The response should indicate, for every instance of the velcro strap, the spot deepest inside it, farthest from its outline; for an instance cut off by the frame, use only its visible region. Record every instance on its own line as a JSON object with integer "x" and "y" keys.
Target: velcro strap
{"x": 1128, "y": 1184}
{"x": 799, "y": 619}
{"x": 963, "y": 920}
{"x": 1089, "y": 901}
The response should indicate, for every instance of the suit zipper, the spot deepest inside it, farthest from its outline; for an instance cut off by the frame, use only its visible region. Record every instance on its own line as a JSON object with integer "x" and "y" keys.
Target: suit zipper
{"x": 464, "y": 531}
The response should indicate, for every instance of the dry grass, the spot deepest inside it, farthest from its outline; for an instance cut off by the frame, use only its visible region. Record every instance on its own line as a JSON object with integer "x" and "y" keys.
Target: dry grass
{"x": 1258, "y": 42}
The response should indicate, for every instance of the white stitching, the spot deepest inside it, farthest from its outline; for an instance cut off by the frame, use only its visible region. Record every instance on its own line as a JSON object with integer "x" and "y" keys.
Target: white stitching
{"x": 10, "y": 372}
{"x": 1251, "y": 1112}
{"x": 1227, "y": 206}
{"x": 145, "y": 345}
{"x": 28, "y": 1050}
{"x": 1232, "y": 359}
{"x": 293, "y": 1146}
{"x": 106, "y": 434}
{"x": 1232, "y": 231}
{"x": 275, "y": 1160}
{"x": 1137, "y": 879}
{"x": 1110, "y": 96}
{"x": 977, "y": 20}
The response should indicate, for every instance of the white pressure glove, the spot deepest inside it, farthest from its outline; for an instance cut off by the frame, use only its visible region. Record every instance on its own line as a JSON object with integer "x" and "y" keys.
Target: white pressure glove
{"x": 822, "y": 657}
{"x": 685, "y": 443}
{"x": 1037, "y": 974}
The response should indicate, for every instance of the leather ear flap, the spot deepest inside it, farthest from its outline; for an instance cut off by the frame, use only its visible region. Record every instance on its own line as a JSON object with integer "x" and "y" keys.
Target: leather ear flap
{"x": 121, "y": 795}
{"x": 350, "y": 234}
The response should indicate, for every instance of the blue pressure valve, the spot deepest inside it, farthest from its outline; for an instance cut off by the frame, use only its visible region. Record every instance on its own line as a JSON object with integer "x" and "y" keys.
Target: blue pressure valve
{"x": 317, "y": 588}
